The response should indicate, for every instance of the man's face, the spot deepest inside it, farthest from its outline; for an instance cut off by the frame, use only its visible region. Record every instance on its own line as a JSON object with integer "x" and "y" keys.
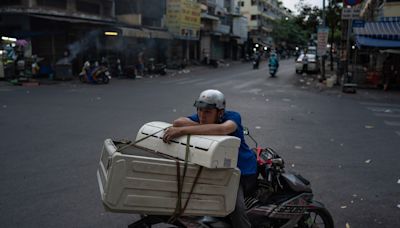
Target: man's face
{"x": 208, "y": 115}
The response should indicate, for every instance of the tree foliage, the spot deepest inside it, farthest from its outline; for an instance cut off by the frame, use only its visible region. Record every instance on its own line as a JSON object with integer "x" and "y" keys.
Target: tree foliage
{"x": 333, "y": 18}
{"x": 298, "y": 30}
{"x": 288, "y": 32}
{"x": 309, "y": 17}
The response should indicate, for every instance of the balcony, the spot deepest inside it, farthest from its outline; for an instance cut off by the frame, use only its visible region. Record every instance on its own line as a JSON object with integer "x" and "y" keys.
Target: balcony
{"x": 223, "y": 29}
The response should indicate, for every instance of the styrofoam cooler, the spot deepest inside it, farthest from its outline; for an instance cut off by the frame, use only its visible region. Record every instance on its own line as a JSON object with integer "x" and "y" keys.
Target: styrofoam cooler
{"x": 138, "y": 180}
{"x": 210, "y": 151}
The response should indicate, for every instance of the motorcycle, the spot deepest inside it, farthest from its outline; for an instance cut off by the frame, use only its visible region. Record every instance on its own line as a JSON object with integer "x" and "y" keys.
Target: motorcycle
{"x": 273, "y": 66}
{"x": 97, "y": 75}
{"x": 282, "y": 199}
{"x": 272, "y": 70}
{"x": 256, "y": 62}
{"x": 154, "y": 68}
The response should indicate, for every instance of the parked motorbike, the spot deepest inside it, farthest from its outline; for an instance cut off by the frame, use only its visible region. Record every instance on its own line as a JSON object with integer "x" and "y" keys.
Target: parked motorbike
{"x": 158, "y": 68}
{"x": 246, "y": 58}
{"x": 97, "y": 74}
{"x": 282, "y": 199}
{"x": 256, "y": 61}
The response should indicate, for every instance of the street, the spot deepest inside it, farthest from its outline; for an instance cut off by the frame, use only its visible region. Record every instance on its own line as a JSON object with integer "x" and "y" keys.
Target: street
{"x": 347, "y": 145}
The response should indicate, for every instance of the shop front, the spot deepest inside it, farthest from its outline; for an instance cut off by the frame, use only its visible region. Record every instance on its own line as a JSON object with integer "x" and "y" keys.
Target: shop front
{"x": 376, "y": 54}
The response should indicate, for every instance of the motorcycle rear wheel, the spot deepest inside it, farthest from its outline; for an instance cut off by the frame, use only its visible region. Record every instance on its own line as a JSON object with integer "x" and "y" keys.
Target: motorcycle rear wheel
{"x": 103, "y": 78}
{"x": 82, "y": 78}
{"x": 315, "y": 218}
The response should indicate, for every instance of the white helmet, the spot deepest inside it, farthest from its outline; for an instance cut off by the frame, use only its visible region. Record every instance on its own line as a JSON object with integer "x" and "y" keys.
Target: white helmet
{"x": 210, "y": 98}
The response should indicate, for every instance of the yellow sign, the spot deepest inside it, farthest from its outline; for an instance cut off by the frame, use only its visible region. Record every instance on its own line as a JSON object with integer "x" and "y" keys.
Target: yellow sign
{"x": 183, "y": 19}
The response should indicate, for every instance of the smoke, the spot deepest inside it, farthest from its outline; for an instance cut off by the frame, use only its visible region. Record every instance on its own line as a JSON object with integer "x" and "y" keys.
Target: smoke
{"x": 89, "y": 40}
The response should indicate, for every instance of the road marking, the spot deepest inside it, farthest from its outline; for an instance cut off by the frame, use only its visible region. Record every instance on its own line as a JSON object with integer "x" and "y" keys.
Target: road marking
{"x": 249, "y": 83}
{"x": 190, "y": 81}
{"x": 5, "y": 90}
{"x": 380, "y": 104}
{"x": 229, "y": 83}
{"x": 398, "y": 133}
{"x": 387, "y": 115}
{"x": 216, "y": 80}
{"x": 255, "y": 91}
{"x": 386, "y": 110}
{"x": 392, "y": 123}
{"x": 174, "y": 81}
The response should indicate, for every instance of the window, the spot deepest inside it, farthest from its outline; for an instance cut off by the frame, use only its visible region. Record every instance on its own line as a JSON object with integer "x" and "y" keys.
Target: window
{"x": 59, "y": 4}
{"x": 241, "y": 3}
{"x": 254, "y": 17}
{"x": 88, "y": 7}
{"x": 253, "y": 2}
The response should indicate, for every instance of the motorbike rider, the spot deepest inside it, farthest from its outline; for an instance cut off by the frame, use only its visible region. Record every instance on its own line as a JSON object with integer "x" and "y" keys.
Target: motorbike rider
{"x": 212, "y": 119}
{"x": 87, "y": 71}
{"x": 257, "y": 59}
{"x": 273, "y": 62}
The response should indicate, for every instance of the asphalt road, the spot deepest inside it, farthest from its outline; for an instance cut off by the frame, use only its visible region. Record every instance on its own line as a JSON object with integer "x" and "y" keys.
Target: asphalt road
{"x": 347, "y": 145}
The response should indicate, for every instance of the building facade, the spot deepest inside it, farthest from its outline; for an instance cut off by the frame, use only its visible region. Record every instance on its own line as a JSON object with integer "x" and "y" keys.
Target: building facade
{"x": 378, "y": 43}
{"x": 261, "y": 15}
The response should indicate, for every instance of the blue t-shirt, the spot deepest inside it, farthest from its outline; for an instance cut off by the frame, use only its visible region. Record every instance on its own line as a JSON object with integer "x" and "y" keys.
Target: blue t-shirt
{"x": 247, "y": 161}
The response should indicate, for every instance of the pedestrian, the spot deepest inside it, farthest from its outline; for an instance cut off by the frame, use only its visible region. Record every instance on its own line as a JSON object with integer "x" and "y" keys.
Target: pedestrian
{"x": 390, "y": 72}
{"x": 305, "y": 63}
{"x": 205, "y": 56}
{"x": 140, "y": 66}
{"x": 212, "y": 119}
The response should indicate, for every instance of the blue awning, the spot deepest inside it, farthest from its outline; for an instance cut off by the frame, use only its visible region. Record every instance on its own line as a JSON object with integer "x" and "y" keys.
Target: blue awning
{"x": 373, "y": 42}
{"x": 382, "y": 30}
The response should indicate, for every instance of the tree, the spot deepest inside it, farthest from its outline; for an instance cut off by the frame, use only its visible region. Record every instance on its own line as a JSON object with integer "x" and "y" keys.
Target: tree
{"x": 309, "y": 18}
{"x": 333, "y": 18}
{"x": 289, "y": 32}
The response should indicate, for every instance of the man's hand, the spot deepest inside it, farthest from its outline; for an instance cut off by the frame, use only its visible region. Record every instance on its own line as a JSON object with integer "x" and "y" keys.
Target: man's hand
{"x": 172, "y": 133}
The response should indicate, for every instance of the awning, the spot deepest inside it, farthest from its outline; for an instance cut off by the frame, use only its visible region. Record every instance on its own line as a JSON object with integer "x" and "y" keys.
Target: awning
{"x": 383, "y": 30}
{"x": 133, "y": 32}
{"x": 390, "y": 51}
{"x": 72, "y": 19}
{"x": 373, "y": 42}
{"x": 159, "y": 34}
{"x": 210, "y": 17}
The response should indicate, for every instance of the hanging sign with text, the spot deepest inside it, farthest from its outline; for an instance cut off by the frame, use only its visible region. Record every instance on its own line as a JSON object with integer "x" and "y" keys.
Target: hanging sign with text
{"x": 322, "y": 40}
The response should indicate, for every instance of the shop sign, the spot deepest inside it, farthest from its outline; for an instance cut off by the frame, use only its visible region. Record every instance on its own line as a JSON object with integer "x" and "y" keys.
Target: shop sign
{"x": 322, "y": 40}
{"x": 358, "y": 24}
{"x": 183, "y": 19}
{"x": 350, "y": 13}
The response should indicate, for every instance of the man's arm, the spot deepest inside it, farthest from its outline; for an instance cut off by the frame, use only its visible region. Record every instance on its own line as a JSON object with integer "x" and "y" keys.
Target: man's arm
{"x": 184, "y": 121}
{"x": 200, "y": 129}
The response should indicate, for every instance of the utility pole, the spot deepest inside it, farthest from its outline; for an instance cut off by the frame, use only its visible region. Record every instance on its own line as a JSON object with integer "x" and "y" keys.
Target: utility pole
{"x": 323, "y": 55}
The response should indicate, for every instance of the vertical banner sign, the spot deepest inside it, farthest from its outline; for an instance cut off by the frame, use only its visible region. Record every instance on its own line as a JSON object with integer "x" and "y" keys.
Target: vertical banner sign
{"x": 183, "y": 19}
{"x": 322, "y": 40}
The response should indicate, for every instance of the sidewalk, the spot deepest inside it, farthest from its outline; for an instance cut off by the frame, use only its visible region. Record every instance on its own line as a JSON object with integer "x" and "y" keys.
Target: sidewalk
{"x": 312, "y": 82}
